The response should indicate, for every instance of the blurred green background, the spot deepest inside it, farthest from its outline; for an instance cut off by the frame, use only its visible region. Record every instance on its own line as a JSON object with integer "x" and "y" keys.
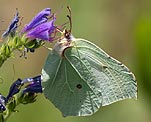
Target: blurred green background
{"x": 122, "y": 28}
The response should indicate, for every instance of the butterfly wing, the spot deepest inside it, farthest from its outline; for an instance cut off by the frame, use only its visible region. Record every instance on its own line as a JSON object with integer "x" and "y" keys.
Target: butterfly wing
{"x": 85, "y": 78}
{"x": 115, "y": 79}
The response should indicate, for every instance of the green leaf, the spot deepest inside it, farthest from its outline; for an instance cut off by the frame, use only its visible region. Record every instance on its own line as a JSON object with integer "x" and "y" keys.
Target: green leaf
{"x": 79, "y": 78}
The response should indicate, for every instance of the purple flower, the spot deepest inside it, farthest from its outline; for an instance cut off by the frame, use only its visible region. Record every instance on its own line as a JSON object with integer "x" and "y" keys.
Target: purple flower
{"x": 40, "y": 18}
{"x": 14, "y": 89}
{"x": 34, "y": 85}
{"x": 11, "y": 30}
{"x": 42, "y": 31}
{"x": 2, "y": 103}
{"x": 40, "y": 27}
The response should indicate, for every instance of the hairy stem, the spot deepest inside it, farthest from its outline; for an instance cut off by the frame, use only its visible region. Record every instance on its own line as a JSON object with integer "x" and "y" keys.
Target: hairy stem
{"x": 17, "y": 43}
{"x": 11, "y": 107}
{"x": 7, "y": 48}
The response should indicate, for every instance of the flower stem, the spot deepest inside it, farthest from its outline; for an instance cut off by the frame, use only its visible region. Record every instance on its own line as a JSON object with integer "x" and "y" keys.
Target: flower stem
{"x": 17, "y": 43}
{"x": 7, "y": 48}
{"x": 11, "y": 107}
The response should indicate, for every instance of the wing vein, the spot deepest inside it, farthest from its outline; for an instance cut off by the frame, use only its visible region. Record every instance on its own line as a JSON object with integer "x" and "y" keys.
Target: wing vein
{"x": 79, "y": 72}
{"x": 56, "y": 72}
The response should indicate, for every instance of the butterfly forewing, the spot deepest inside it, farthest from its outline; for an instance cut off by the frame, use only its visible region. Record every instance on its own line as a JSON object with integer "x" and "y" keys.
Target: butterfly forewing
{"x": 115, "y": 80}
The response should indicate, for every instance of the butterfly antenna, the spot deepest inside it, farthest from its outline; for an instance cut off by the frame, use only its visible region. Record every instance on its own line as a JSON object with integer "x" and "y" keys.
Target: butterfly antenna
{"x": 69, "y": 17}
{"x": 68, "y": 32}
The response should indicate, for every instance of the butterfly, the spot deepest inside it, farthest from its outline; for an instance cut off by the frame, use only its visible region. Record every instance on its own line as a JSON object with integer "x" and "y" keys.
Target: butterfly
{"x": 79, "y": 77}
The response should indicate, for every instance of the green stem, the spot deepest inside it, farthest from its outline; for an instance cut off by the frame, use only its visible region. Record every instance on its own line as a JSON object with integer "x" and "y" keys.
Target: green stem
{"x": 17, "y": 43}
{"x": 7, "y": 48}
{"x": 7, "y": 115}
{"x": 11, "y": 107}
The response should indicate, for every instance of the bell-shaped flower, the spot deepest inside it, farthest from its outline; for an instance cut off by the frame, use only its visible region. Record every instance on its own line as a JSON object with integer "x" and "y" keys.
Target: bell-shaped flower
{"x": 40, "y": 18}
{"x": 42, "y": 31}
{"x": 14, "y": 89}
{"x": 34, "y": 85}
{"x": 40, "y": 27}
{"x": 11, "y": 30}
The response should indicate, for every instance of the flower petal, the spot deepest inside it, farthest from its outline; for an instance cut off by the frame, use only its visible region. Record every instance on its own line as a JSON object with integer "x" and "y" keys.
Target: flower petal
{"x": 34, "y": 86}
{"x": 11, "y": 30}
{"x": 14, "y": 89}
{"x": 40, "y": 18}
{"x": 42, "y": 31}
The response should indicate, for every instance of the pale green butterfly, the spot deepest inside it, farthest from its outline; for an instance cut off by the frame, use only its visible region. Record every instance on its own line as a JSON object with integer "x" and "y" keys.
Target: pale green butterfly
{"x": 79, "y": 77}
